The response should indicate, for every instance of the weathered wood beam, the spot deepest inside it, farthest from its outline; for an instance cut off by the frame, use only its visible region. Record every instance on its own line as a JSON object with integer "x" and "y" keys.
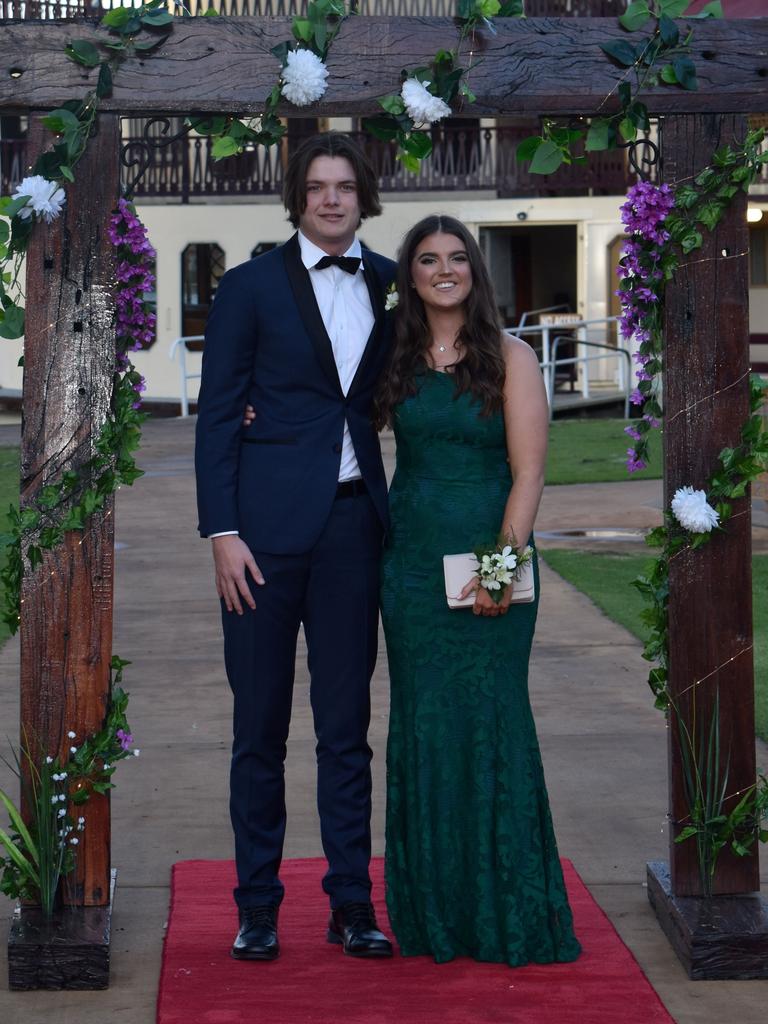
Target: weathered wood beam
{"x": 69, "y": 353}
{"x": 532, "y": 66}
{"x": 706, "y": 400}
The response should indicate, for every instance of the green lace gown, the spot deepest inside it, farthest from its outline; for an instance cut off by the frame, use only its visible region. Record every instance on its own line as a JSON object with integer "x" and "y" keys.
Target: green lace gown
{"x": 471, "y": 861}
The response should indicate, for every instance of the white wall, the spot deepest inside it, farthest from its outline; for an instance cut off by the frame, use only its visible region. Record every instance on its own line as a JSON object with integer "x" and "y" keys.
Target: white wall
{"x": 238, "y": 228}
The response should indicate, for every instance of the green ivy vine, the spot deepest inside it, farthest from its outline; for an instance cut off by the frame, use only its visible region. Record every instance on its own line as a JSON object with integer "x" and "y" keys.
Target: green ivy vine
{"x": 663, "y": 57}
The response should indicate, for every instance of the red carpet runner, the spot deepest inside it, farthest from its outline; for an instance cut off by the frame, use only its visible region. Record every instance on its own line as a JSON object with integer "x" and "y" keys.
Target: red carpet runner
{"x": 314, "y": 983}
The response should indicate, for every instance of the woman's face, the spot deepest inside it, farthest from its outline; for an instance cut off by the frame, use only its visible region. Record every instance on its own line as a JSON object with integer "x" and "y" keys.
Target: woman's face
{"x": 440, "y": 271}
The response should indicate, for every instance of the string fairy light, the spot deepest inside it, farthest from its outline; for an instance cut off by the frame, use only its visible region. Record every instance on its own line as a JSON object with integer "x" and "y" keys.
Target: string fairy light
{"x": 715, "y": 259}
{"x": 707, "y": 398}
{"x": 703, "y": 679}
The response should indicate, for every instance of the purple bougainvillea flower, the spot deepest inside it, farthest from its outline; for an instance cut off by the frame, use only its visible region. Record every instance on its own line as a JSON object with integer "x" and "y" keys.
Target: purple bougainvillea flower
{"x": 125, "y": 738}
{"x": 634, "y": 464}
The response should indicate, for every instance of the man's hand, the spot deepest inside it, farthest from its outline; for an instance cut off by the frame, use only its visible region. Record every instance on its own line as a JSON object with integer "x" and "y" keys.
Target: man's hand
{"x": 231, "y": 557}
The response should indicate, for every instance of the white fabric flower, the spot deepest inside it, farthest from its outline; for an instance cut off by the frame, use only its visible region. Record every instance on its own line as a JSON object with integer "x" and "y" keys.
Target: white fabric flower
{"x": 46, "y": 198}
{"x": 692, "y": 510}
{"x": 422, "y": 106}
{"x": 303, "y": 77}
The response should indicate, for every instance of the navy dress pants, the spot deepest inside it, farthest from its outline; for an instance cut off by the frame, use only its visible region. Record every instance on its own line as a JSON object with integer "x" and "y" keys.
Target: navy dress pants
{"x": 334, "y": 590}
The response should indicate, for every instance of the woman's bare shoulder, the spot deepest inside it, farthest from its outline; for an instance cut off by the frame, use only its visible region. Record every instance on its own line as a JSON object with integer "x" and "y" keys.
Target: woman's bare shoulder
{"x": 517, "y": 353}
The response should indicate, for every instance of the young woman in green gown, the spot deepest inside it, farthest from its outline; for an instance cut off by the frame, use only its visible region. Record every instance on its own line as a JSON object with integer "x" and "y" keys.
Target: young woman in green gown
{"x": 472, "y": 867}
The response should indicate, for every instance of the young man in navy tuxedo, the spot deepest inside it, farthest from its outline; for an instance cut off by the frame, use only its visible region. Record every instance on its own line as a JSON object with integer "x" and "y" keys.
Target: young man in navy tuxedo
{"x": 296, "y": 507}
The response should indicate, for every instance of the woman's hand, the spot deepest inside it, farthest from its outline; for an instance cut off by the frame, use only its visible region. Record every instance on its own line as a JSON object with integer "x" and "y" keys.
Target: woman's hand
{"x": 249, "y": 415}
{"x": 484, "y": 603}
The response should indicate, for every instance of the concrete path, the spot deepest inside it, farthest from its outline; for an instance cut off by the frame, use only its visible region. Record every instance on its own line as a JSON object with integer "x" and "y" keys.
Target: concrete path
{"x": 603, "y": 745}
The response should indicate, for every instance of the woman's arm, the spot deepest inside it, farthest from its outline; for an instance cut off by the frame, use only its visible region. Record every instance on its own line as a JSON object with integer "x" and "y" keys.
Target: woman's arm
{"x": 526, "y": 423}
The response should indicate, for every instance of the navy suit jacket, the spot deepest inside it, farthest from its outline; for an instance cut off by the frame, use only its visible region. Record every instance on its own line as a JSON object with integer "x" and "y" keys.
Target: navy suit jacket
{"x": 266, "y": 344}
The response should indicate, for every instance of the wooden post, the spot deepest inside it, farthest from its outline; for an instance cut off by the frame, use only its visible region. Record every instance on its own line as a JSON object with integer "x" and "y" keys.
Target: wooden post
{"x": 66, "y": 622}
{"x": 706, "y": 399}
{"x": 706, "y": 402}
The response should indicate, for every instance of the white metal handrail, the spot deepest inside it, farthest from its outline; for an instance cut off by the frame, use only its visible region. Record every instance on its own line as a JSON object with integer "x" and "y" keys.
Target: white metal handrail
{"x": 581, "y": 329}
{"x": 610, "y": 352}
{"x": 181, "y": 345}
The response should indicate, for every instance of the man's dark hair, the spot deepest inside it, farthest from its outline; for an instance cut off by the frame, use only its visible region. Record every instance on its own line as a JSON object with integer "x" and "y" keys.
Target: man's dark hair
{"x": 329, "y": 144}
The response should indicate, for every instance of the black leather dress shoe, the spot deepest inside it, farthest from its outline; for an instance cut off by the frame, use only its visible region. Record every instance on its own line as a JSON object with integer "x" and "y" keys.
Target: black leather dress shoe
{"x": 257, "y": 938}
{"x": 354, "y": 927}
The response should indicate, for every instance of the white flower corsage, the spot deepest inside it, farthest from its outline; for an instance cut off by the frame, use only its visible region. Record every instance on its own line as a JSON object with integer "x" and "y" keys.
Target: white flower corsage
{"x": 303, "y": 77}
{"x": 692, "y": 510}
{"x": 498, "y": 567}
{"x": 422, "y": 106}
{"x": 46, "y": 198}
{"x": 392, "y": 297}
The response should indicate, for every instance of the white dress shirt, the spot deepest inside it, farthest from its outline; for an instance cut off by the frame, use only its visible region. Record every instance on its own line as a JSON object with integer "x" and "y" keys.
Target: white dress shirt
{"x": 345, "y": 307}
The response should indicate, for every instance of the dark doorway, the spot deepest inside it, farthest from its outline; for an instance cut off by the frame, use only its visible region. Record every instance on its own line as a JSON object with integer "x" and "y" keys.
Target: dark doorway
{"x": 533, "y": 268}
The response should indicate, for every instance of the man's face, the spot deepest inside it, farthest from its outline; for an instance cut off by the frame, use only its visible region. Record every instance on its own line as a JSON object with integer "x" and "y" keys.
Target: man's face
{"x": 333, "y": 210}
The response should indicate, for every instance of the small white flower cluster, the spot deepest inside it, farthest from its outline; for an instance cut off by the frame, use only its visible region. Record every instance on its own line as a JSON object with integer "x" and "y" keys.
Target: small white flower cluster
{"x": 422, "y": 106}
{"x": 45, "y": 198}
{"x": 392, "y": 298}
{"x": 303, "y": 77}
{"x": 59, "y": 798}
{"x": 497, "y": 569}
{"x": 59, "y": 776}
{"x": 692, "y": 510}
{"x": 67, "y": 830}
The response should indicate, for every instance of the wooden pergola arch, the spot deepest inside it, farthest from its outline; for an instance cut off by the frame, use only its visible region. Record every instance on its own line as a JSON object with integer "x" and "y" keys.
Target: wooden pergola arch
{"x": 536, "y": 67}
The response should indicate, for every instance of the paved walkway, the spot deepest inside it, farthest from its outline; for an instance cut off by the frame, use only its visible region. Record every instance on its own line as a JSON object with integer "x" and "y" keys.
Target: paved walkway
{"x": 603, "y": 744}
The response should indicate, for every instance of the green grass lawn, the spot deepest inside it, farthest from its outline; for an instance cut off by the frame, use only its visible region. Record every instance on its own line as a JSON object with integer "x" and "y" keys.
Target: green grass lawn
{"x": 595, "y": 451}
{"x": 9, "y": 495}
{"x": 606, "y": 580}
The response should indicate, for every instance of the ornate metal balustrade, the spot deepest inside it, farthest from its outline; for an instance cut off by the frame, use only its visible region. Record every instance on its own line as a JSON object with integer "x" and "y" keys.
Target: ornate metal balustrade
{"x": 12, "y": 163}
{"x": 463, "y": 159}
{"x": 46, "y": 9}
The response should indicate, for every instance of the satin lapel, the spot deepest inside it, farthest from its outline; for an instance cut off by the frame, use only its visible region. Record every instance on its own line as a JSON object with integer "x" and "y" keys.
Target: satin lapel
{"x": 298, "y": 276}
{"x": 376, "y": 293}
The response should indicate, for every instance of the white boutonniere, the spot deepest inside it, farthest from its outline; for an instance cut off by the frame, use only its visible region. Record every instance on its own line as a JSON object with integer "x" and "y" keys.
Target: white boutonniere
{"x": 392, "y": 297}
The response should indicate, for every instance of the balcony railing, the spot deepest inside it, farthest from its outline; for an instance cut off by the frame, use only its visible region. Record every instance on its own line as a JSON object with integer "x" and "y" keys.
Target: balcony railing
{"x": 13, "y": 154}
{"x": 462, "y": 159}
{"x": 481, "y": 159}
{"x": 46, "y": 9}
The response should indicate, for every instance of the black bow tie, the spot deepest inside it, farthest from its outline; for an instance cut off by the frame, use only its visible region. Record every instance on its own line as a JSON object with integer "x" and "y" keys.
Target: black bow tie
{"x": 349, "y": 263}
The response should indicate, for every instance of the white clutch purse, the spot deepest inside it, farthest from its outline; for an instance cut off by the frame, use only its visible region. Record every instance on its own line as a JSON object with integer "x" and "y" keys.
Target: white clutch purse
{"x": 459, "y": 570}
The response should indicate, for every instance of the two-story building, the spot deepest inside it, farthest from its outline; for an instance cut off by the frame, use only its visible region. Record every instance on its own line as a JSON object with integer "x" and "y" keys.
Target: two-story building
{"x": 550, "y": 241}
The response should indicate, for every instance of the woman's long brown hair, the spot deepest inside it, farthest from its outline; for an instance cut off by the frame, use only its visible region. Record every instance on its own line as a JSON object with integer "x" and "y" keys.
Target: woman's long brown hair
{"x": 481, "y": 370}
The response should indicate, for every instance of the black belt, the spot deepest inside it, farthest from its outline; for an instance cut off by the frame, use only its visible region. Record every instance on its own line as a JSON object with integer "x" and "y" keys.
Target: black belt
{"x": 351, "y": 488}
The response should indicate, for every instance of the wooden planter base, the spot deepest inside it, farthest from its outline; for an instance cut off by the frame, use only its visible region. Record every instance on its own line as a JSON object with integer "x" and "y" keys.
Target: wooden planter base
{"x": 71, "y": 951}
{"x": 721, "y": 937}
